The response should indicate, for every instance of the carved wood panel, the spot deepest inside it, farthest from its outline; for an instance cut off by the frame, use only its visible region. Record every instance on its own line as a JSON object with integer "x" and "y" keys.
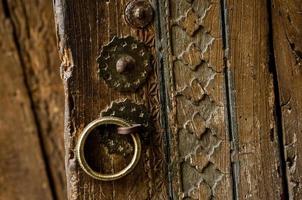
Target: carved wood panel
{"x": 200, "y": 146}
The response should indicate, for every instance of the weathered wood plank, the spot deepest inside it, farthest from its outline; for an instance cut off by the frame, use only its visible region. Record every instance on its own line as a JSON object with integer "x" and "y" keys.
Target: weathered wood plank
{"x": 35, "y": 35}
{"x": 256, "y": 137}
{"x": 84, "y": 27}
{"x": 22, "y": 169}
{"x": 193, "y": 57}
{"x": 287, "y": 37}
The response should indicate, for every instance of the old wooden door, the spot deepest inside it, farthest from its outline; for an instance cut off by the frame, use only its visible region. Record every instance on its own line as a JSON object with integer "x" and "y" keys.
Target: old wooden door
{"x": 220, "y": 82}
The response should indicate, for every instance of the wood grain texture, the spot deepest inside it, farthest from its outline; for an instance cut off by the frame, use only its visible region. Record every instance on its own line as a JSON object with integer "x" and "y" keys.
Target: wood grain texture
{"x": 287, "y": 44}
{"x": 83, "y": 28}
{"x": 194, "y": 77}
{"x": 35, "y": 37}
{"x": 256, "y": 137}
{"x": 22, "y": 168}
{"x": 212, "y": 90}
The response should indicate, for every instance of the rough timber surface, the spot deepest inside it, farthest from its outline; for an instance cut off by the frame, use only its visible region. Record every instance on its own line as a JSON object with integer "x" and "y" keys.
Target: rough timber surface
{"x": 255, "y": 134}
{"x": 29, "y": 28}
{"x": 287, "y": 44}
{"x": 83, "y": 28}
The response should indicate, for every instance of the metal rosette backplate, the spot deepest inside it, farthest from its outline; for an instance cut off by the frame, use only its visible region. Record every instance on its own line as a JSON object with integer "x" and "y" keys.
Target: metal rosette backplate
{"x": 117, "y": 49}
{"x": 132, "y": 113}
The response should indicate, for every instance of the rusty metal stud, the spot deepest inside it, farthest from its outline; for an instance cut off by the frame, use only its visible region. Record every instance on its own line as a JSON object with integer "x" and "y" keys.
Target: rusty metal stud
{"x": 139, "y": 13}
{"x": 125, "y": 64}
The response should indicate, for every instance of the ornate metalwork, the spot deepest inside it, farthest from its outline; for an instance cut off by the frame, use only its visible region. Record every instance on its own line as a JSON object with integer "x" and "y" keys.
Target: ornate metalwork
{"x": 132, "y": 113}
{"x": 124, "y": 64}
{"x": 80, "y": 150}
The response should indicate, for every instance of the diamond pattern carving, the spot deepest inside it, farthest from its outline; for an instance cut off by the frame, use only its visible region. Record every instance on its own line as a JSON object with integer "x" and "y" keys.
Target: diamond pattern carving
{"x": 196, "y": 126}
{"x": 194, "y": 92}
{"x": 192, "y": 56}
{"x": 189, "y": 22}
{"x": 211, "y": 175}
{"x": 201, "y": 191}
{"x": 199, "y": 103}
{"x": 198, "y": 159}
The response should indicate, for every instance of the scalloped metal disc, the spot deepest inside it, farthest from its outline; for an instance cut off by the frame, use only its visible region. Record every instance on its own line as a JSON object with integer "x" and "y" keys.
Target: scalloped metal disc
{"x": 132, "y": 113}
{"x": 116, "y": 49}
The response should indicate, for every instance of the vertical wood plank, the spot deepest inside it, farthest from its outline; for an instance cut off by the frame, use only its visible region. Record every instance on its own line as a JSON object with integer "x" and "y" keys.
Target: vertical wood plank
{"x": 194, "y": 81}
{"x": 256, "y": 131}
{"x": 33, "y": 23}
{"x": 22, "y": 168}
{"x": 287, "y": 44}
{"x": 84, "y": 27}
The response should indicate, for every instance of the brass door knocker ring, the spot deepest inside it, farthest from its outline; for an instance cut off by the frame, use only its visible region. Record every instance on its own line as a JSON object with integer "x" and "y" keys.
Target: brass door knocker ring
{"x": 82, "y": 140}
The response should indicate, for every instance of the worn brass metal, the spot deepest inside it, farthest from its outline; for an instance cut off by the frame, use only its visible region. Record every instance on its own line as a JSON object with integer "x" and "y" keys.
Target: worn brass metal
{"x": 133, "y": 113}
{"x": 81, "y": 156}
{"x": 124, "y": 64}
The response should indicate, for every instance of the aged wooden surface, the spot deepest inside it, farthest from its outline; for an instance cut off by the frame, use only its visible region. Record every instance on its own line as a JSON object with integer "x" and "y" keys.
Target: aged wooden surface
{"x": 28, "y": 42}
{"x": 287, "y": 43}
{"x": 213, "y": 95}
{"x": 84, "y": 27}
{"x": 225, "y": 73}
{"x": 22, "y": 168}
{"x": 257, "y": 173}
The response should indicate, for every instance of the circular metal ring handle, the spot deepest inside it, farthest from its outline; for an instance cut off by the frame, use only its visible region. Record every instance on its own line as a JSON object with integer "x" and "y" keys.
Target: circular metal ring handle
{"x": 80, "y": 149}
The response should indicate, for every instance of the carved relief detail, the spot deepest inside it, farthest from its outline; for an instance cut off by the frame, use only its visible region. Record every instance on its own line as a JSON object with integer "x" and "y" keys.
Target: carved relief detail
{"x": 195, "y": 106}
{"x": 192, "y": 56}
{"x": 202, "y": 122}
{"x": 205, "y": 187}
{"x": 206, "y": 142}
{"x": 156, "y": 154}
{"x": 201, "y": 191}
{"x": 212, "y": 175}
{"x": 190, "y": 22}
{"x": 196, "y": 126}
{"x": 195, "y": 92}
